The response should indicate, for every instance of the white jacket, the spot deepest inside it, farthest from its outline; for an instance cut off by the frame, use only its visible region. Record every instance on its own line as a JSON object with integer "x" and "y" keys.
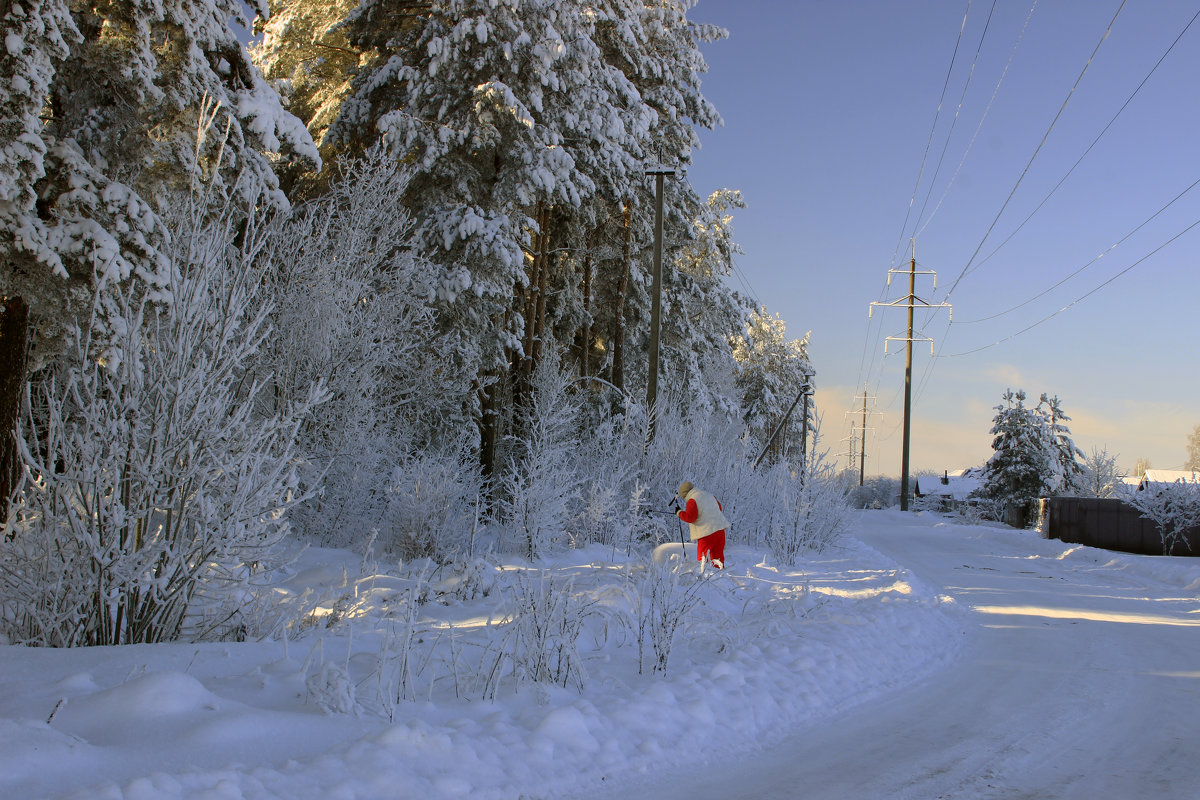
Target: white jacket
{"x": 709, "y": 518}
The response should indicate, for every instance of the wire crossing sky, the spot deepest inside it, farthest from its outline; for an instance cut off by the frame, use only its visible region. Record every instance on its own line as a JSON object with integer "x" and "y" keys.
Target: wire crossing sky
{"x": 1073, "y": 128}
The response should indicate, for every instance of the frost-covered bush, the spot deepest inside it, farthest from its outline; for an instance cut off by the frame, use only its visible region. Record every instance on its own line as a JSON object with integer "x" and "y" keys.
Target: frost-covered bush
{"x": 155, "y": 485}
{"x": 540, "y": 480}
{"x": 876, "y": 492}
{"x": 606, "y": 468}
{"x": 811, "y": 508}
{"x": 432, "y": 503}
{"x": 541, "y": 631}
{"x": 1173, "y": 507}
{"x": 709, "y": 449}
{"x": 664, "y": 595}
{"x": 354, "y": 310}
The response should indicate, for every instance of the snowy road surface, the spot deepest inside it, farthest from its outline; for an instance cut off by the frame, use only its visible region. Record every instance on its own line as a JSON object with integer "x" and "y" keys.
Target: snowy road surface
{"x": 1077, "y": 680}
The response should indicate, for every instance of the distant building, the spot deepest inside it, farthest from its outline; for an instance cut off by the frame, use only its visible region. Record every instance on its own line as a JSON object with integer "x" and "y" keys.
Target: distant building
{"x": 952, "y": 490}
{"x": 1153, "y": 477}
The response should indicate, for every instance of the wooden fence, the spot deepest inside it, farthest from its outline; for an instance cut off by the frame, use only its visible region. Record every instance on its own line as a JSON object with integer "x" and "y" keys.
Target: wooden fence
{"x": 1111, "y": 524}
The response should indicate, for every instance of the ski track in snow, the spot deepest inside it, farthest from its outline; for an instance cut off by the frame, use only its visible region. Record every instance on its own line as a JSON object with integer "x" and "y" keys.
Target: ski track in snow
{"x": 923, "y": 659}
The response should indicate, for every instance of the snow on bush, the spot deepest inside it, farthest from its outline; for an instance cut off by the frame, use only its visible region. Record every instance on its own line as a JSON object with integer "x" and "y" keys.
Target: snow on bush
{"x": 1173, "y": 507}
{"x": 354, "y": 310}
{"x": 664, "y": 597}
{"x": 540, "y": 482}
{"x": 155, "y": 484}
{"x": 432, "y": 501}
{"x": 811, "y": 508}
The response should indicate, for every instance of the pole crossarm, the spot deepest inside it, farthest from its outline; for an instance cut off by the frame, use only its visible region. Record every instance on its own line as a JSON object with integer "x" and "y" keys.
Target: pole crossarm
{"x": 909, "y": 339}
{"x": 910, "y": 301}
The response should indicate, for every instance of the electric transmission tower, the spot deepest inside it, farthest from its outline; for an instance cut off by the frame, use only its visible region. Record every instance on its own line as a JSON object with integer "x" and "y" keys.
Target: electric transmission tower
{"x": 911, "y": 302}
{"x": 858, "y": 434}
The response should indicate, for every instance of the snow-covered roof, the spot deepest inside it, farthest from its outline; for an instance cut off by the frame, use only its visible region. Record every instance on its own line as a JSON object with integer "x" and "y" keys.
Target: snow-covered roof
{"x": 1168, "y": 476}
{"x": 956, "y": 485}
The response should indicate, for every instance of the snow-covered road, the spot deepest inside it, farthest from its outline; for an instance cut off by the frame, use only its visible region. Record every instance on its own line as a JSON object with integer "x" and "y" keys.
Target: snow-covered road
{"x": 1079, "y": 678}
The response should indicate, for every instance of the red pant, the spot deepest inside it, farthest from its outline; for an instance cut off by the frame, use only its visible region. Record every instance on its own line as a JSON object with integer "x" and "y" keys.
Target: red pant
{"x": 712, "y": 546}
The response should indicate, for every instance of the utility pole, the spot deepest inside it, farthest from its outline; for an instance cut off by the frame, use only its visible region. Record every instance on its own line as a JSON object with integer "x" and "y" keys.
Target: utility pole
{"x": 862, "y": 458}
{"x": 859, "y": 453}
{"x": 656, "y": 293}
{"x": 804, "y": 393}
{"x": 911, "y": 302}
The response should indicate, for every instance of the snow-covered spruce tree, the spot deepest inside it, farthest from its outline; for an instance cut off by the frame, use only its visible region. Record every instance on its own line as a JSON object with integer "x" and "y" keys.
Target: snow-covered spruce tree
{"x": 155, "y": 486}
{"x": 97, "y": 119}
{"x": 353, "y": 309}
{"x": 1067, "y": 472}
{"x": 1024, "y": 460}
{"x": 772, "y": 369}
{"x": 1173, "y": 507}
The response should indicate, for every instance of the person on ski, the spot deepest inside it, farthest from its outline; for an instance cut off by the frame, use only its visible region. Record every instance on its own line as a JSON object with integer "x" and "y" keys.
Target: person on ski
{"x": 706, "y": 519}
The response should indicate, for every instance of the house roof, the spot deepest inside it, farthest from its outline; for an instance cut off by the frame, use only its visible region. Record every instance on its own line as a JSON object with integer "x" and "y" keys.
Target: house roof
{"x": 956, "y": 485}
{"x": 1168, "y": 476}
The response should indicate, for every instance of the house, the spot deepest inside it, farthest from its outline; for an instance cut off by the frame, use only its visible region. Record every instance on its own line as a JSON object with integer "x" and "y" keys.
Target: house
{"x": 1152, "y": 477}
{"x": 951, "y": 490}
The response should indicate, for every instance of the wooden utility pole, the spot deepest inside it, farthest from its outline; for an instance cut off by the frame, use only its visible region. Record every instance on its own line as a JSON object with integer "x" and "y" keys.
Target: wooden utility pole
{"x": 804, "y": 393}
{"x": 909, "y": 301}
{"x": 904, "y": 448}
{"x": 862, "y": 455}
{"x": 656, "y": 294}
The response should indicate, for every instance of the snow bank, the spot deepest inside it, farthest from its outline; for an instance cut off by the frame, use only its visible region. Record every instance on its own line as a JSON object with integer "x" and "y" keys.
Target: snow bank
{"x": 766, "y": 651}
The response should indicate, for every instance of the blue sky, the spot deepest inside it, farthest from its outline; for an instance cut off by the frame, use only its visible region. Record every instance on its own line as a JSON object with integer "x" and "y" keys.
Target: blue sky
{"x": 833, "y": 132}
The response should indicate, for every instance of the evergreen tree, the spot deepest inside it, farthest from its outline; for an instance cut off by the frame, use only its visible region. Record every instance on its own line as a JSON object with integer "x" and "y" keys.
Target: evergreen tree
{"x": 103, "y": 107}
{"x": 1023, "y": 461}
{"x": 1067, "y": 473}
{"x": 772, "y": 369}
{"x": 528, "y": 125}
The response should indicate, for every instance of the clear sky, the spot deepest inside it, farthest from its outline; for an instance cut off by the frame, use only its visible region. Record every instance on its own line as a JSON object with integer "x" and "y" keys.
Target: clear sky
{"x": 834, "y": 134}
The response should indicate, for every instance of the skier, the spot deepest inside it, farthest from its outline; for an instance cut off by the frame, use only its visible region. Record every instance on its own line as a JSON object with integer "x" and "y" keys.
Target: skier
{"x": 703, "y": 514}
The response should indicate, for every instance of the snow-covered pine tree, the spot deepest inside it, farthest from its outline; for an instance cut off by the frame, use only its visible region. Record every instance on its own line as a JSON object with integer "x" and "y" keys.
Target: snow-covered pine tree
{"x": 1023, "y": 460}
{"x": 100, "y": 108}
{"x": 307, "y": 56}
{"x": 771, "y": 371}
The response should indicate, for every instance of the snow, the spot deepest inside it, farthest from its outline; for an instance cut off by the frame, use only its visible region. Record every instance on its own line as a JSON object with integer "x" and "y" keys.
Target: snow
{"x": 864, "y": 665}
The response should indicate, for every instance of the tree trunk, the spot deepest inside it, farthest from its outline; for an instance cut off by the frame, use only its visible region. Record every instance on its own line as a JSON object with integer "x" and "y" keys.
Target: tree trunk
{"x": 585, "y": 331}
{"x": 489, "y": 426}
{"x": 618, "y": 337}
{"x": 14, "y": 339}
{"x": 543, "y": 290}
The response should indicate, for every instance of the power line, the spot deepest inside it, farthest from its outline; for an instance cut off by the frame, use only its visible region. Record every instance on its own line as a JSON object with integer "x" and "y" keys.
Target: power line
{"x": 966, "y": 269}
{"x": 932, "y": 130}
{"x": 1077, "y": 300}
{"x": 987, "y": 110}
{"x": 1094, "y": 141}
{"x": 946, "y": 333}
{"x": 1114, "y": 246}
{"x": 957, "y": 112}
